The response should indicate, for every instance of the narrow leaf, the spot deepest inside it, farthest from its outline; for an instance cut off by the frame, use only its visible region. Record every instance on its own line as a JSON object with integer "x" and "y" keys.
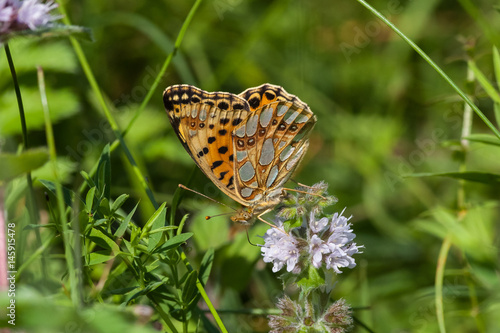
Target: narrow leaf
{"x": 206, "y": 265}
{"x": 103, "y": 240}
{"x": 496, "y": 64}
{"x": 14, "y": 165}
{"x": 484, "y": 138}
{"x": 483, "y": 81}
{"x": 118, "y": 203}
{"x": 104, "y": 173}
{"x": 89, "y": 200}
{"x": 472, "y": 176}
{"x": 67, "y": 193}
{"x": 124, "y": 224}
{"x": 99, "y": 257}
{"x": 174, "y": 242}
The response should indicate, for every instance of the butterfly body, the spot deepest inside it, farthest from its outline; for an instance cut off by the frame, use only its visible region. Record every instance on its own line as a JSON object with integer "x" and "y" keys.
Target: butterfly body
{"x": 247, "y": 144}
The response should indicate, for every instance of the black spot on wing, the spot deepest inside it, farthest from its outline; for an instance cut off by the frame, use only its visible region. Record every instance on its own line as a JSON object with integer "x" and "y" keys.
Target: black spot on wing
{"x": 223, "y": 105}
{"x": 216, "y": 164}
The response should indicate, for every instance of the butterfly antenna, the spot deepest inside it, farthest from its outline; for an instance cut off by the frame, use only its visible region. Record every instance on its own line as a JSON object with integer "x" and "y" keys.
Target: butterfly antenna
{"x": 305, "y": 192}
{"x": 209, "y": 217}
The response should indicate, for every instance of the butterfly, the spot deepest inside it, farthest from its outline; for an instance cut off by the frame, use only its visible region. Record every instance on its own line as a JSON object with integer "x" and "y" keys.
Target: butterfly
{"x": 248, "y": 145}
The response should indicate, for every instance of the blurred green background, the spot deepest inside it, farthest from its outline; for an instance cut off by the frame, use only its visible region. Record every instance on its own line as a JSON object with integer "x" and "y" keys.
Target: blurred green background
{"x": 382, "y": 111}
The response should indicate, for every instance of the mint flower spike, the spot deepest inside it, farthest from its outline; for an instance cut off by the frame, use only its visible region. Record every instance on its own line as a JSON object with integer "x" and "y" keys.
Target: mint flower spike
{"x": 297, "y": 318}
{"x": 18, "y": 15}
{"x": 35, "y": 14}
{"x": 325, "y": 243}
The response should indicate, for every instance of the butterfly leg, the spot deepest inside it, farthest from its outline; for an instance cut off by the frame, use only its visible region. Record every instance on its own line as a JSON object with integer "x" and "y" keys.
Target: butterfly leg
{"x": 271, "y": 225}
{"x": 305, "y": 192}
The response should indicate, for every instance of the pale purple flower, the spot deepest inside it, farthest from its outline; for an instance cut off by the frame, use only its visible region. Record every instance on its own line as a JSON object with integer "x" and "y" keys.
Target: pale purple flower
{"x": 317, "y": 225}
{"x": 280, "y": 249}
{"x": 326, "y": 241}
{"x": 317, "y": 247}
{"x": 21, "y": 15}
{"x": 35, "y": 14}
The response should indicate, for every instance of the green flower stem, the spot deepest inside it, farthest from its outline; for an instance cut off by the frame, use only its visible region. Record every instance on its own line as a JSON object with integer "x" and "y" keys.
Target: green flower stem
{"x": 433, "y": 65}
{"x": 438, "y": 283}
{"x": 31, "y": 203}
{"x": 76, "y": 297}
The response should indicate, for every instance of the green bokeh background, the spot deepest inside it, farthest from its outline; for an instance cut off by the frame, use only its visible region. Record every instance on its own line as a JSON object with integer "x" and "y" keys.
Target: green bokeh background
{"x": 382, "y": 111}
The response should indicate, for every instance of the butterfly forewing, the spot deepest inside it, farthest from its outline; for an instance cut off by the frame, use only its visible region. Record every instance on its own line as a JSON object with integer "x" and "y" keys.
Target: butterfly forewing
{"x": 204, "y": 122}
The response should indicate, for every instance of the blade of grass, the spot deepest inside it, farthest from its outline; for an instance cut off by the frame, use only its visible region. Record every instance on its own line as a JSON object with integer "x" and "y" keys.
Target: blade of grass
{"x": 433, "y": 65}
{"x": 76, "y": 297}
{"x": 166, "y": 63}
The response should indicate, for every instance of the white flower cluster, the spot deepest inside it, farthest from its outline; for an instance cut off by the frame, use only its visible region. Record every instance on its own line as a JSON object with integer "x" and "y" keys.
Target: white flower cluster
{"x": 327, "y": 242}
{"x": 20, "y": 15}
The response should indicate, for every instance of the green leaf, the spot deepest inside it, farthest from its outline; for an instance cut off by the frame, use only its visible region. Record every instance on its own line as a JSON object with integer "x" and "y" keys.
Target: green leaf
{"x": 89, "y": 200}
{"x": 13, "y": 165}
{"x": 189, "y": 290}
{"x": 63, "y": 104}
{"x": 67, "y": 193}
{"x": 99, "y": 257}
{"x": 124, "y": 224}
{"x": 119, "y": 202}
{"x": 206, "y": 266}
{"x": 103, "y": 173}
{"x": 496, "y": 108}
{"x": 50, "y": 30}
{"x": 174, "y": 242}
{"x": 104, "y": 207}
{"x": 152, "y": 219}
{"x": 484, "y": 138}
{"x": 103, "y": 240}
{"x": 496, "y": 64}
{"x": 158, "y": 223}
{"x": 314, "y": 279}
{"x": 471, "y": 176}
{"x": 483, "y": 81}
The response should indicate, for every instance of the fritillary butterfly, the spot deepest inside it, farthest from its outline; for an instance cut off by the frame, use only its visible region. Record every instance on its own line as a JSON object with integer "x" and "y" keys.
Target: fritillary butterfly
{"x": 247, "y": 144}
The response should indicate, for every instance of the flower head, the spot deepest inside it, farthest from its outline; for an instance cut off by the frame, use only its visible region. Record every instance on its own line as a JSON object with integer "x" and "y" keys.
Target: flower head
{"x": 296, "y": 317}
{"x": 326, "y": 242}
{"x": 280, "y": 249}
{"x": 35, "y": 14}
{"x": 18, "y": 15}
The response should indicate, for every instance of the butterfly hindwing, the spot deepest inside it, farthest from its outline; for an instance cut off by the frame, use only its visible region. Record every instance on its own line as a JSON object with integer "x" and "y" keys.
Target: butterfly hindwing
{"x": 268, "y": 147}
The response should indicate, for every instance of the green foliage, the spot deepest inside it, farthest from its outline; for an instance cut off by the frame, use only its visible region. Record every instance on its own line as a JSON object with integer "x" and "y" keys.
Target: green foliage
{"x": 385, "y": 120}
